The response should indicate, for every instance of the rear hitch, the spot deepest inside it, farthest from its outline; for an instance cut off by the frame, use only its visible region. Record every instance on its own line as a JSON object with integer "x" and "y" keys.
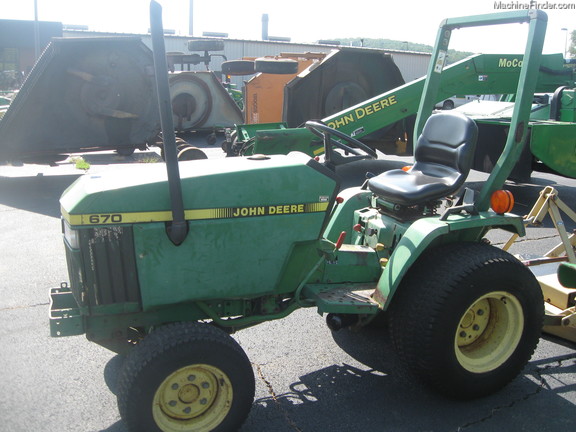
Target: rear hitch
{"x": 336, "y": 322}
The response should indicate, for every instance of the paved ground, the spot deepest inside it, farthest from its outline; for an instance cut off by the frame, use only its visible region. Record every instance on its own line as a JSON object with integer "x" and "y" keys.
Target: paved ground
{"x": 308, "y": 379}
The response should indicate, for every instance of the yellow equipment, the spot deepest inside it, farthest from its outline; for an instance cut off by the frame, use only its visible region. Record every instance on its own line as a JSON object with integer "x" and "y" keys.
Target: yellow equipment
{"x": 560, "y": 301}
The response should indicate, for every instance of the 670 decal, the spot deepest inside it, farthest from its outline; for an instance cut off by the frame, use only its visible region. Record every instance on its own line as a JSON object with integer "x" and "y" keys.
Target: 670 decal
{"x": 98, "y": 219}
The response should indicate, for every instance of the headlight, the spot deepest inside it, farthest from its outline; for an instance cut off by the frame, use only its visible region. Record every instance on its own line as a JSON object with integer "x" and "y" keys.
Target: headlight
{"x": 71, "y": 236}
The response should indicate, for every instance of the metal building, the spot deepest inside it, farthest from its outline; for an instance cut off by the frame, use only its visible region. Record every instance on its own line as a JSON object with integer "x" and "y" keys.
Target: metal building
{"x": 412, "y": 64}
{"x": 21, "y": 41}
{"x": 17, "y": 47}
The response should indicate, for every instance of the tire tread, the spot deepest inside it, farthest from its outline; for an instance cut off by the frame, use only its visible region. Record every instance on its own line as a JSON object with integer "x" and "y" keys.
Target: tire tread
{"x": 413, "y": 322}
{"x": 164, "y": 339}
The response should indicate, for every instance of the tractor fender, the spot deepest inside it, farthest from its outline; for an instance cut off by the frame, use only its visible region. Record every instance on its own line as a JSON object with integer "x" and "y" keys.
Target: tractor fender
{"x": 430, "y": 232}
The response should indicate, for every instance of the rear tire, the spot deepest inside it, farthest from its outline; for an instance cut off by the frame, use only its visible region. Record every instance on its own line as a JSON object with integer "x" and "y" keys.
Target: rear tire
{"x": 186, "y": 377}
{"x": 467, "y": 318}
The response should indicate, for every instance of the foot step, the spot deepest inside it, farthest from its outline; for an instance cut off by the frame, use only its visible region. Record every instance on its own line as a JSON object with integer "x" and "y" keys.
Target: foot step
{"x": 343, "y": 298}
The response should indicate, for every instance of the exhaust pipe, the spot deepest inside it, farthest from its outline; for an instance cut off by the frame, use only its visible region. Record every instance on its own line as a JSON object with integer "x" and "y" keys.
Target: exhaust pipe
{"x": 178, "y": 228}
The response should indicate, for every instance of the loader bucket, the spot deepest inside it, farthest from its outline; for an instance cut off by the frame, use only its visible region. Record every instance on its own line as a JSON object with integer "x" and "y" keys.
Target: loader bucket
{"x": 343, "y": 79}
{"x": 83, "y": 94}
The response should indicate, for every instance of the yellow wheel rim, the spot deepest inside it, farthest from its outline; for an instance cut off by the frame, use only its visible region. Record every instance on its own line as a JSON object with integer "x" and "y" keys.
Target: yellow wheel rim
{"x": 489, "y": 332}
{"x": 194, "y": 398}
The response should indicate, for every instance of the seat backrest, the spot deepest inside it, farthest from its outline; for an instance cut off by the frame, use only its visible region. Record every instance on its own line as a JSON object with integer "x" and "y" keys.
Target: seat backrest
{"x": 442, "y": 161}
{"x": 449, "y": 140}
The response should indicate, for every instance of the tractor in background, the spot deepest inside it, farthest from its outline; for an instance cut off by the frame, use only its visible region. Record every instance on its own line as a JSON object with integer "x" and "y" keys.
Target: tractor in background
{"x": 386, "y": 122}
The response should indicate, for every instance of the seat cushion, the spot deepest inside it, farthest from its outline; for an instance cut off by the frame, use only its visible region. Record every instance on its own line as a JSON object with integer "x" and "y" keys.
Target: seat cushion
{"x": 443, "y": 159}
{"x": 413, "y": 187}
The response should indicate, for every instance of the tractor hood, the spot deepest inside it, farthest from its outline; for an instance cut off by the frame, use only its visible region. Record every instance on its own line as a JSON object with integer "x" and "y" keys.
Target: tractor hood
{"x": 212, "y": 189}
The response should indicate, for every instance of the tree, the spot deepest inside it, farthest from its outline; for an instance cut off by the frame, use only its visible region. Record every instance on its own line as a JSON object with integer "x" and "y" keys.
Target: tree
{"x": 453, "y": 55}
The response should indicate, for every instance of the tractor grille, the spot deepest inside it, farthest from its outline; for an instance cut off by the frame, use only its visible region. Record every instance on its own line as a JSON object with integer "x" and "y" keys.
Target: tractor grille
{"x": 109, "y": 265}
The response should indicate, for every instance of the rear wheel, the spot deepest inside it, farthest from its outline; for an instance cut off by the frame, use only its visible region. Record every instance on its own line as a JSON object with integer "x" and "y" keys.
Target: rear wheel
{"x": 186, "y": 377}
{"x": 467, "y": 318}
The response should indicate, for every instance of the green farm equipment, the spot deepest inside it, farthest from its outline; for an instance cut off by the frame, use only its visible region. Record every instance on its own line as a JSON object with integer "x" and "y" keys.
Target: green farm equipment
{"x": 225, "y": 245}
{"x": 551, "y": 140}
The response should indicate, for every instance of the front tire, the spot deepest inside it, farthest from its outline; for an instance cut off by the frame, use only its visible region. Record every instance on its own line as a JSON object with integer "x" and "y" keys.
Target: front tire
{"x": 467, "y": 318}
{"x": 186, "y": 377}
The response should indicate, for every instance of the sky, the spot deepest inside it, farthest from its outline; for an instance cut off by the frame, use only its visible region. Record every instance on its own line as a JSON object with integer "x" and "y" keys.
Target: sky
{"x": 309, "y": 20}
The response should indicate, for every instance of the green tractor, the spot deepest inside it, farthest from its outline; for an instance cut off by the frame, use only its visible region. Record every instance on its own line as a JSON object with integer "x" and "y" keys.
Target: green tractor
{"x": 165, "y": 265}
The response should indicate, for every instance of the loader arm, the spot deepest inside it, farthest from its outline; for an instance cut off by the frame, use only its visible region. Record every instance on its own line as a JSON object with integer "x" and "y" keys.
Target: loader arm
{"x": 481, "y": 74}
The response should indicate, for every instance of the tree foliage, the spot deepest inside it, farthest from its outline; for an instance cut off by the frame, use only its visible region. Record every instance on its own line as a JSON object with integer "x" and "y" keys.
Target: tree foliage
{"x": 453, "y": 55}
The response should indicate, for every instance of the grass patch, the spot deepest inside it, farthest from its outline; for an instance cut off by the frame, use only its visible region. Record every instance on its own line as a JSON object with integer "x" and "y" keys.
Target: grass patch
{"x": 80, "y": 163}
{"x": 150, "y": 159}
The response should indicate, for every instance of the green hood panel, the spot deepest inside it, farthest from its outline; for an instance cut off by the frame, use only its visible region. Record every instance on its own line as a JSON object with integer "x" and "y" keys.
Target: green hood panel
{"x": 212, "y": 189}
{"x": 243, "y": 214}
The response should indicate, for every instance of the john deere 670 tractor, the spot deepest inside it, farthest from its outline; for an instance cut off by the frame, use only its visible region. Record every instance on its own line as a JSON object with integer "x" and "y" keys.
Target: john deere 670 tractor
{"x": 165, "y": 264}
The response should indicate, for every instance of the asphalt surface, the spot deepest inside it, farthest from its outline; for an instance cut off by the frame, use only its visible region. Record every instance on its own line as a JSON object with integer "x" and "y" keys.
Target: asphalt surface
{"x": 307, "y": 378}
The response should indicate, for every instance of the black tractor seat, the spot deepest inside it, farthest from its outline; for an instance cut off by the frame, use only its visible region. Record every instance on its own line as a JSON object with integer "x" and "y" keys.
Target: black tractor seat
{"x": 442, "y": 160}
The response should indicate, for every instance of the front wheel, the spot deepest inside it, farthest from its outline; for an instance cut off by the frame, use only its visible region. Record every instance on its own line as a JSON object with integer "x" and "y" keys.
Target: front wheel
{"x": 186, "y": 377}
{"x": 467, "y": 318}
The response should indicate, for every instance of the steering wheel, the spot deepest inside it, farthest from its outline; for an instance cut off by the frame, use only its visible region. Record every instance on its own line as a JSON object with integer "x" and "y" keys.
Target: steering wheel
{"x": 325, "y": 132}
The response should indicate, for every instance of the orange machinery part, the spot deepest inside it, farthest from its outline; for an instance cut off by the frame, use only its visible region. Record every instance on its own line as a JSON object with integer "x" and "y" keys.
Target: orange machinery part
{"x": 264, "y": 93}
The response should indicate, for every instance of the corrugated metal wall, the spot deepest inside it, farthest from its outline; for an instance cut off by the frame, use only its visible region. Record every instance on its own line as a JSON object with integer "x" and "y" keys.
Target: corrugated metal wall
{"x": 411, "y": 65}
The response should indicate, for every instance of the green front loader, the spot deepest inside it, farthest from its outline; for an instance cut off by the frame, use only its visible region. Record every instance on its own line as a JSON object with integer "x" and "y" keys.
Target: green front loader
{"x": 386, "y": 121}
{"x": 164, "y": 265}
